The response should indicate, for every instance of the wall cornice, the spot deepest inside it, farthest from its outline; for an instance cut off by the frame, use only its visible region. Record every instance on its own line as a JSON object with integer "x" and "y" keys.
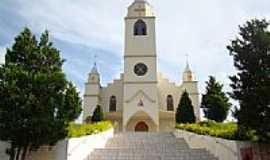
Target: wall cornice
{"x": 136, "y": 17}
{"x": 142, "y": 82}
{"x": 136, "y": 56}
{"x": 91, "y": 95}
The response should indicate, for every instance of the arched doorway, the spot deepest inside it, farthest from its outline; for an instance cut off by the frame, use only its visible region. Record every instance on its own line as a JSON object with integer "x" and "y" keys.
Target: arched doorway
{"x": 141, "y": 127}
{"x": 140, "y": 119}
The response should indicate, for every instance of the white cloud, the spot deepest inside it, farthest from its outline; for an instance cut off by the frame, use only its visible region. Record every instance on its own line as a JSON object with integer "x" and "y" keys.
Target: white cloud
{"x": 86, "y": 22}
{"x": 200, "y": 28}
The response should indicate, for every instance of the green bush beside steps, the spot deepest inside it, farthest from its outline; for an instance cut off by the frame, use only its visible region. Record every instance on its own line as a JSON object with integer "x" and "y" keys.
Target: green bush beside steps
{"x": 227, "y": 130}
{"x": 78, "y": 130}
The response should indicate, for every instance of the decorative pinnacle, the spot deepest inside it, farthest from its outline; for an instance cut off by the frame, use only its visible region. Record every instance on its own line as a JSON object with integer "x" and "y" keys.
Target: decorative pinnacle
{"x": 94, "y": 69}
{"x": 187, "y": 69}
{"x": 187, "y": 57}
{"x": 95, "y": 60}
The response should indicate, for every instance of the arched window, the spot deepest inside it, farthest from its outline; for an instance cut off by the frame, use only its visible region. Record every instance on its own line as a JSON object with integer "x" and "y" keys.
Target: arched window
{"x": 140, "y": 28}
{"x": 170, "y": 103}
{"x": 113, "y": 104}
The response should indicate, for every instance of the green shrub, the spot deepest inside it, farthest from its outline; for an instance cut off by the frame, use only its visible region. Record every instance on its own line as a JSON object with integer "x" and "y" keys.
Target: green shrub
{"x": 78, "y": 130}
{"x": 98, "y": 114}
{"x": 222, "y": 130}
{"x": 185, "y": 112}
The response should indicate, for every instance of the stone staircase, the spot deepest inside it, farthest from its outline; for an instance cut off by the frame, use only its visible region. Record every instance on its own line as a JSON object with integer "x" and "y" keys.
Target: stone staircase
{"x": 148, "y": 146}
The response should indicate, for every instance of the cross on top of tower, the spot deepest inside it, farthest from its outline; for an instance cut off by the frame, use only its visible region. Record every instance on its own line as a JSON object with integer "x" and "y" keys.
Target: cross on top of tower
{"x": 95, "y": 60}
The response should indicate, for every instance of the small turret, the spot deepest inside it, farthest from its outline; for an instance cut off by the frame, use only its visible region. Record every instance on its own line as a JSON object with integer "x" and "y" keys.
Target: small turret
{"x": 94, "y": 76}
{"x": 188, "y": 75}
{"x": 92, "y": 93}
{"x": 191, "y": 86}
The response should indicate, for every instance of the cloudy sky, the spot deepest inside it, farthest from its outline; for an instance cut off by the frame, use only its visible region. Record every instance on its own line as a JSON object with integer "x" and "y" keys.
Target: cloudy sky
{"x": 83, "y": 28}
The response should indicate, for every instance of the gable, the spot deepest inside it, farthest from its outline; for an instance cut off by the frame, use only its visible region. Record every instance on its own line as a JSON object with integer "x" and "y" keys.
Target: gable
{"x": 140, "y": 93}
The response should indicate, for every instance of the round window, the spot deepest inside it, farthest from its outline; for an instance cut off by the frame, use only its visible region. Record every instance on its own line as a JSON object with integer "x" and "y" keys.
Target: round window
{"x": 140, "y": 69}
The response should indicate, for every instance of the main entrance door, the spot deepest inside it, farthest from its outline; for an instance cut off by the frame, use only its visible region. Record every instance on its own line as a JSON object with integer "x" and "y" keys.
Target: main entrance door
{"x": 141, "y": 127}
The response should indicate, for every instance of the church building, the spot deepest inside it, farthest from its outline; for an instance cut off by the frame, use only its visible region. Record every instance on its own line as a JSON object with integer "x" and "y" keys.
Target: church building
{"x": 142, "y": 99}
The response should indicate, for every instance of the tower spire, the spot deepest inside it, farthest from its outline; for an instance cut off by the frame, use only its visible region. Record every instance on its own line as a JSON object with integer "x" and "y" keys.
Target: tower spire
{"x": 187, "y": 69}
{"x": 95, "y": 60}
{"x": 94, "y": 68}
{"x": 188, "y": 75}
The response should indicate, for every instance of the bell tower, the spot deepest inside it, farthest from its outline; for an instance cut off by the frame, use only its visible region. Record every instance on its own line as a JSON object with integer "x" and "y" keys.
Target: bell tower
{"x": 140, "y": 66}
{"x": 92, "y": 93}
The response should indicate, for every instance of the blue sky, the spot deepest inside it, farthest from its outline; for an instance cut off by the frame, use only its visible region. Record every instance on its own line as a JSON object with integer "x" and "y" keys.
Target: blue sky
{"x": 83, "y": 28}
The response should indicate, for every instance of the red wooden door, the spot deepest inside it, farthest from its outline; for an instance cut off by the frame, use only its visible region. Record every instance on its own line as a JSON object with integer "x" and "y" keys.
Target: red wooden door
{"x": 141, "y": 127}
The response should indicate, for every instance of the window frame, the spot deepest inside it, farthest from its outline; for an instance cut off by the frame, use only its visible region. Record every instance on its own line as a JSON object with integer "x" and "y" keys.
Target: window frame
{"x": 140, "y": 23}
{"x": 113, "y": 104}
{"x": 170, "y": 103}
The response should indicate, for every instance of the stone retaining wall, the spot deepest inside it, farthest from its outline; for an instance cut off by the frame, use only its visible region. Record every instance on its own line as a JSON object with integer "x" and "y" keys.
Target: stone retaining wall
{"x": 71, "y": 149}
{"x": 226, "y": 149}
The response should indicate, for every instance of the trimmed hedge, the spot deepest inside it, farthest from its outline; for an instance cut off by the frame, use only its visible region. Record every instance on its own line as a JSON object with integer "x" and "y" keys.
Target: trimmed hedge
{"x": 221, "y": 130}
{"x": 78, "y": 130}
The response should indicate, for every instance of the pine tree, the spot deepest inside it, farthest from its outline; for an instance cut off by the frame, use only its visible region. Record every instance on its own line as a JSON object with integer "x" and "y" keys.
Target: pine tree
{"x": 98, "y": 114}
{"x": 251, "y": 84}
{"x": 215, "y": 103}
{"x": 185, "y": 111}
{"x": 37, "y": 102}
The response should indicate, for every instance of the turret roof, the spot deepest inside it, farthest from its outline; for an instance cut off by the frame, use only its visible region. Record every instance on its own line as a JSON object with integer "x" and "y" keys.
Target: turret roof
{"x": 94, "y": 69}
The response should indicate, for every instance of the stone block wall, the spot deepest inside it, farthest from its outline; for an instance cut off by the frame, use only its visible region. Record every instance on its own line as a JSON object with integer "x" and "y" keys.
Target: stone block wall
{"x": 226, "y": 149}
{"x": 70, "y": 149}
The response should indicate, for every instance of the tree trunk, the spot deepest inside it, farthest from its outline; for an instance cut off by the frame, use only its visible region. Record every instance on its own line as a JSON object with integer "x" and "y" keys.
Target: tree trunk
{"x": 18, "y": 153}
{"x": 12, "y": 152}
{"x": 25, "y": 149}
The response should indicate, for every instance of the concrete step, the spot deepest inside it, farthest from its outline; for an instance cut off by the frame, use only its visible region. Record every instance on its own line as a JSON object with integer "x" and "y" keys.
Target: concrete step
{"x": 142, "y": 139}
{"x": 143, "y": 151}
{"x": 143, "y": 135}
{"x": 149, "y": 157}
{"x": 148, "y": 146}
{"x": 148, "y": 139}
{"x": 163, "y": 154}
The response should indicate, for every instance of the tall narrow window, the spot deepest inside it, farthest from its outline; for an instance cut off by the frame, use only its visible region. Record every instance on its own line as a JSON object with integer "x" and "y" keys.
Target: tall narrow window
{"x": 140, "y": 28}
{"x": 113, "y": 104}
{"x": 170, "y": 103}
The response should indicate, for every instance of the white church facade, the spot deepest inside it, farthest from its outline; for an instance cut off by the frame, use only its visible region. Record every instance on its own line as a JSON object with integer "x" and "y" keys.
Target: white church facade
{"x": 142, "y": 99}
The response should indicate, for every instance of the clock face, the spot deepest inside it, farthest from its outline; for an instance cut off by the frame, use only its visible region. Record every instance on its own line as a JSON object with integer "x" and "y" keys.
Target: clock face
{"x": 140, "y": 69}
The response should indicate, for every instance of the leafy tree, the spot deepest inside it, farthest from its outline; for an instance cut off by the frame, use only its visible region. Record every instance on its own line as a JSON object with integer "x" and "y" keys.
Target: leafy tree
{"x": 98, "y": 114}
{"x": 251, "y": 84}
{"x": 37, "y": 102}
{"x": 215, "y": 103}
{"x": 185, "y": 111}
